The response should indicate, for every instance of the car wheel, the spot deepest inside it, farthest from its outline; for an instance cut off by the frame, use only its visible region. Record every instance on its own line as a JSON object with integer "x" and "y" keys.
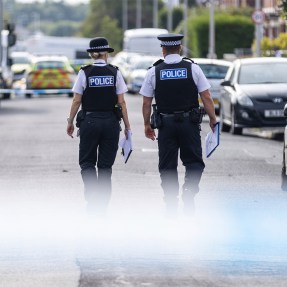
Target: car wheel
{"x": 28, "y": 96}
{"x": 217, "y": 111}
{"x": 224, "y": 127}
{"x": 283, "y": 172}
{"x": 70, "y": 95}
{"x": 6, "y": 96}
{"x": 234, "y": 130}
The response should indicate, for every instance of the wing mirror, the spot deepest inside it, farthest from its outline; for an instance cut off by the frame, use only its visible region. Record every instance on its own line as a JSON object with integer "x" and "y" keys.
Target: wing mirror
{"x": 225, "y": 84}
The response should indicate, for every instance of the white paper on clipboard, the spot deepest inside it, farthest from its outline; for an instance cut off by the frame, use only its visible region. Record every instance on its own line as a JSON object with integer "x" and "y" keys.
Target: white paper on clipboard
{"x": 212, "y": 140}
{"x": 127, "y": 146}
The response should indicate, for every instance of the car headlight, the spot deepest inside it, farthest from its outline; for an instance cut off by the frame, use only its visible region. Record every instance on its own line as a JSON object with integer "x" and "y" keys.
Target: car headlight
{"x": 245, "y": 101}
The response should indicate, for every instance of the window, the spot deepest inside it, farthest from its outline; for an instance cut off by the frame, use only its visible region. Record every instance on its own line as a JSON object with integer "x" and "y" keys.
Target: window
{"x": 263, "y": 73}
{"x": 50, "y": 65}
{"x": 212, "y": 71}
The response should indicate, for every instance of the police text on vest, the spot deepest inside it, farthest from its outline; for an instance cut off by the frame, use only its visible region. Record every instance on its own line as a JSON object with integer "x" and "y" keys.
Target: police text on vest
{"x": 173, "y": 74}
{"x": 101, "y": 81}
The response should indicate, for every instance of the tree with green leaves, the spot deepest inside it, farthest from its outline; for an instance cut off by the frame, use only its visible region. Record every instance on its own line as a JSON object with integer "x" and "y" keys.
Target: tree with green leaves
{"x": 105, "y": 19}
{"x": 177, "y": 15}
{"x": 101, "y": 22}
{"x": 114, "y": 10}
{"x": 284, "y": 7}
{"x": 52, "y": 18}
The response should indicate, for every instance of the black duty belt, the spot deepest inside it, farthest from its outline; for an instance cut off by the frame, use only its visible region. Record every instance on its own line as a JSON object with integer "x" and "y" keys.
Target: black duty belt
{"x": 98, "y": 112}
{"x": 183, "y": 114}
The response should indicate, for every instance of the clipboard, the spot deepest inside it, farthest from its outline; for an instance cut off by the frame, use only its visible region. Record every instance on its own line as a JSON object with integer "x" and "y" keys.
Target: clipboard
{"x": 127, "y": 146}
{"x": 212, "y": 140}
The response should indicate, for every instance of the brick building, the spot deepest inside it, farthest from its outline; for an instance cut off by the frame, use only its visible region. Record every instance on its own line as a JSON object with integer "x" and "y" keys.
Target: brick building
{"x": 273, "y": 23}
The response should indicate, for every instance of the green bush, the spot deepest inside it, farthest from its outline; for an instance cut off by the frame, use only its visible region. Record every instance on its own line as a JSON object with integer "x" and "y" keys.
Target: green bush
{"x": 231, "y": 31}
{"x": 270, "y": 46}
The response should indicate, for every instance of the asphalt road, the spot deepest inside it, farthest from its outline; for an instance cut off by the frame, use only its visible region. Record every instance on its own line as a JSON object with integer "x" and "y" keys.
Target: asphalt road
{"x": 237, "y": 236}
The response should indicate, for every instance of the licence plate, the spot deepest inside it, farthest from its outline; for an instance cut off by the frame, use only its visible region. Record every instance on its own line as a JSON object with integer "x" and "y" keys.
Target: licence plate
{"x": 273, "y": 113}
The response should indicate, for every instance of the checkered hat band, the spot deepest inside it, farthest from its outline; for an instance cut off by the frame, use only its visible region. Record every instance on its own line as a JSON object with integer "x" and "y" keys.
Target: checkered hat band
{"x": 101, "y": 47}
{"x": 170, "y": 43}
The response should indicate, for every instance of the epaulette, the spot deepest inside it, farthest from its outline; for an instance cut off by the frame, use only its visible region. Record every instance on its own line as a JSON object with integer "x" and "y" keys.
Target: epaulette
{"x": 158, "y": 62}
{"x": 85, "y": 66}
{"x": 116, "y": 67}
{"x": 188, "y": 59}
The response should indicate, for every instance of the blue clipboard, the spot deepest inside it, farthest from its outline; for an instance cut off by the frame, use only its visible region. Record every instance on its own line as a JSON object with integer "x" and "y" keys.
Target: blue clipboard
{"x": 212, "y": 140}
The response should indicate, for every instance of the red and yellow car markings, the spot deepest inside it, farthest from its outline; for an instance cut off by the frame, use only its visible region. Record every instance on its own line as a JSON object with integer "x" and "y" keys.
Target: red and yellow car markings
{"x": 50, "y": 78}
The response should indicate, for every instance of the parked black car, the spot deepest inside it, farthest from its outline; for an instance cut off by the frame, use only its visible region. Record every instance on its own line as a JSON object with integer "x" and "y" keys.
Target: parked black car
{"x": 253, "y": 94}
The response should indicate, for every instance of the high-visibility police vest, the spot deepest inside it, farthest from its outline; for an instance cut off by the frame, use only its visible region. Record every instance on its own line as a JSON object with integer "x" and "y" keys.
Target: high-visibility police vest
{"x": 175, "y": 89}
{"x": 100, "y": 93}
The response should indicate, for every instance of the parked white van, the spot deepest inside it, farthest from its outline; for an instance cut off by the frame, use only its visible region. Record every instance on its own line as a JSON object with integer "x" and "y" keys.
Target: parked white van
{"x": 143, "y": 41}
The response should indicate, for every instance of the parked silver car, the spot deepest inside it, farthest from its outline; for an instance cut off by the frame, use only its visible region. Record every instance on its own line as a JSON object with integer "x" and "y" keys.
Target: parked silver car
{"x": 123, "y": 61}
{"x": 138, "y": 71}
{"x": 215, "y": 71}
{"x": 21, "y": 62}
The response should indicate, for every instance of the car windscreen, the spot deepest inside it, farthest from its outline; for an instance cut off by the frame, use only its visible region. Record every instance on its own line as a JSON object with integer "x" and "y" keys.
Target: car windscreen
{"x": 213, "y": 71}
{"x": 21, "y": 60}
{"x": 145, "y": 64}
{"x": 49, "y": 65}
{"x": 263, "y": 73}
{"x": 149, "y": 45}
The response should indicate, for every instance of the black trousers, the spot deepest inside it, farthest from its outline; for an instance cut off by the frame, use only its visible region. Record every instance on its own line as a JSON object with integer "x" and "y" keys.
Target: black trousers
{"x": 179, "y": 138}
{"x": 99, "y": 137}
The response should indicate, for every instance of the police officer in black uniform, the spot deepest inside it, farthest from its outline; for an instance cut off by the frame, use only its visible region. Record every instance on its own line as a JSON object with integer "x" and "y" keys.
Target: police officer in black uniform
{"x": 175, "y": 83}
{"x": 99, "y": 89}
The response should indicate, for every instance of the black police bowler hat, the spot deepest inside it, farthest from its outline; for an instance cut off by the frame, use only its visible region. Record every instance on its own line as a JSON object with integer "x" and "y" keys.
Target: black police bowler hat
{"x": 100, "y": 44}
{"x": 169, "y": 40}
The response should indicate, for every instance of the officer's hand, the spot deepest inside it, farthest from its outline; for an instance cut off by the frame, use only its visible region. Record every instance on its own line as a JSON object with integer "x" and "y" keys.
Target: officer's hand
{"x": 70, "y": 130}
{"x": 126, "y": 131}
{"x": 149, "y": 132}
{"x": 212, "y": 124}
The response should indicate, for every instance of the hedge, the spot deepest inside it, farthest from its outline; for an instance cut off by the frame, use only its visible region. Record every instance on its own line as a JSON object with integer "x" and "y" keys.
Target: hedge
{"x": 231, "y": 31}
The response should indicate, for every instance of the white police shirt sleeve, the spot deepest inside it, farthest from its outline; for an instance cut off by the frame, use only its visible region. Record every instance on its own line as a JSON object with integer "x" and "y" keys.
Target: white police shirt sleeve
{"x": 199, "y": 78}
{"x": 80, "y": 83}
{"x": 121, "y": 86}
{"x": 148, "y": 86}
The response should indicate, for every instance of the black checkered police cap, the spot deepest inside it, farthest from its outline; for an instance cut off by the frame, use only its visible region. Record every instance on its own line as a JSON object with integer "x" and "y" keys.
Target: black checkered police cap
{"x": 170, "y": 40}
{"x": 99, "y": 44}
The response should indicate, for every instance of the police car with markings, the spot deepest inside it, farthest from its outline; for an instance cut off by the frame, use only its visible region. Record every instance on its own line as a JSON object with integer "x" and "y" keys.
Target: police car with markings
{"x": 50, "y": 73}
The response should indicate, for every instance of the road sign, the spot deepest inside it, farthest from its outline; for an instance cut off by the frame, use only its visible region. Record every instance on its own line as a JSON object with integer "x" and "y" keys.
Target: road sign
{"x": 258, "y": 17}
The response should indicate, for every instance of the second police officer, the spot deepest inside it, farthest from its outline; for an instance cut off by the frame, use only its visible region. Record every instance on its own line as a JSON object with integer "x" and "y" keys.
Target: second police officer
{"x": 175, "y": 83}
{"x": 99, "y": 89}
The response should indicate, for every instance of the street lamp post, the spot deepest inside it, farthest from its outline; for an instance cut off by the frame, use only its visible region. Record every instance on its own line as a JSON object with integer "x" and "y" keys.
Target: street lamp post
{"x": 258, "y": 28}
{"x": 169, "y": 16}
{"x": 139, "y": 14}
{"x": 211, "y": 49}
{"x": 155, "y": 13}
{"x": 125, "y": 15}
{"x": 1, "y": 27}
{"x": 185, "y": 14}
